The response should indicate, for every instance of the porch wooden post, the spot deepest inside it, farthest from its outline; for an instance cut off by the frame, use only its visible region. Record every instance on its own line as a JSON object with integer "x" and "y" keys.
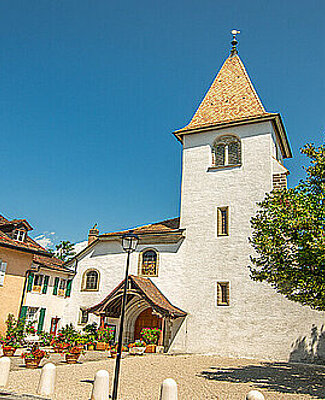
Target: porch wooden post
{"x": 102, "y": 321}
{"x": 161, "y": 336}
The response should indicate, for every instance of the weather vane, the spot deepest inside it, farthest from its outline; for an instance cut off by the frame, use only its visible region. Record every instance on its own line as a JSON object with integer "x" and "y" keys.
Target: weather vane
{"x": 234, "y": 42}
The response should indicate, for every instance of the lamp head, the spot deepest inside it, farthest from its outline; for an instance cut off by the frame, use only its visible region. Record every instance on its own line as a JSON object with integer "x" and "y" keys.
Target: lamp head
{"x": 130, "y": 242}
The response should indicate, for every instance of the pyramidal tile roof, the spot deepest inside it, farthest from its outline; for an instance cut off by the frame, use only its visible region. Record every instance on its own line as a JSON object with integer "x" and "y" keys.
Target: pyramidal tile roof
{"x": 231, "y": 97}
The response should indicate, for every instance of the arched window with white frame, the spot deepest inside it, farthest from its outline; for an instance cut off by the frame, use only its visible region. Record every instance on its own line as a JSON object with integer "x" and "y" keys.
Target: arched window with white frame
{"x": 227, "y": 151}
{"x": 90, "y": 281}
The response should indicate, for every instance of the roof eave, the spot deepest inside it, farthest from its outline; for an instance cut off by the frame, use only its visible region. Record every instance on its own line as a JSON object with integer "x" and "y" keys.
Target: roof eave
{"x": 275, "y": 118}
{"x": 24, "y": 249}
{"x": 151, "y": 237}
{"x": 58, "y": 269}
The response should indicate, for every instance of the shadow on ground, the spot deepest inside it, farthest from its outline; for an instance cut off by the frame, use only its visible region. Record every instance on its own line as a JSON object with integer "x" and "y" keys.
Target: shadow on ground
{"x": 278, "y": 377}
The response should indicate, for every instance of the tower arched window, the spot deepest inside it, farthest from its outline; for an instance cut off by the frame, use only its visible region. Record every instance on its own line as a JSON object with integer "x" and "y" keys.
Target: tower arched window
{"x": 227, "y": 151}
{"x": 148, "y": 263}
{"x": 91, "y": 280}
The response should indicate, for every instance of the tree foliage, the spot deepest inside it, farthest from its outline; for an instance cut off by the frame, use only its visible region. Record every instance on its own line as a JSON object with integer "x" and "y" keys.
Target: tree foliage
{"x": 289, "y": 236}
{"x": 64, "y": 250}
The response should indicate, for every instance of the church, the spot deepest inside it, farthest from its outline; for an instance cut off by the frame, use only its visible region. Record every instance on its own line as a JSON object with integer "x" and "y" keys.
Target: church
{"x": 189, "y": 275}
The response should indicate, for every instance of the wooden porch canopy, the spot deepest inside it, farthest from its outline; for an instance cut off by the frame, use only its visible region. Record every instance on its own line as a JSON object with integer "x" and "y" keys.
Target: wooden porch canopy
{"x": 140, "y": 287}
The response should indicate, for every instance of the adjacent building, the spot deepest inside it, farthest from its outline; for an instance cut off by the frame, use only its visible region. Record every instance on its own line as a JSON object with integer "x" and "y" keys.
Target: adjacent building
{"x": 33, "y": 283}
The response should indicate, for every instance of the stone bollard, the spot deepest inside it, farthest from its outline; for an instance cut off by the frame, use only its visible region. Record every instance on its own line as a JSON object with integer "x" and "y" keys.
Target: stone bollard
{"x": 4, "y": 371}
{"x": 101, "y": 386}
{"x": 254, "y": 395}
{"x": 46, "y": 384}
{"x": 168, "y": 390}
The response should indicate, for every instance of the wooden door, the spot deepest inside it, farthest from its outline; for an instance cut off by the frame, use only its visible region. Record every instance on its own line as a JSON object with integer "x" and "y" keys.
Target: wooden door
{"x": 54, "y": 325}
{"x": 145, "y": 320}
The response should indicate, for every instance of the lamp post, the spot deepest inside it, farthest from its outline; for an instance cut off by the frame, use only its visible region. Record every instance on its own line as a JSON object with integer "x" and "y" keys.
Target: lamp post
{"x": 129, "y": 244}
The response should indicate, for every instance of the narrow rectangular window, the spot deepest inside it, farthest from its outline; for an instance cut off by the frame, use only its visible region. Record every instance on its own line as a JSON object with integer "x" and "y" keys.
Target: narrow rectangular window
{"x": 83, "y": 318}
{"x": 37, "y": 286}
{"x": 3, "y": 267}
{"x": 62, "y": 287}
{"x": 222, "y": 293}
{"x": 223, "y": 221}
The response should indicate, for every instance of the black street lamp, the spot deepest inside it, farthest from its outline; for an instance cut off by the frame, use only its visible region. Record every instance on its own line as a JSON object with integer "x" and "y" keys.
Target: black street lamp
{"x": 129, "y": 244}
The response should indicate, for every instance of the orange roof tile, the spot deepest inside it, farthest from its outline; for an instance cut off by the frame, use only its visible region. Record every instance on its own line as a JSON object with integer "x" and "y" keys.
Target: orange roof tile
{"x": 168, "y": 225}
{"x": 148, "y": 290}
{"x": 230, "y": 97}
{"x": 50, "y": 262}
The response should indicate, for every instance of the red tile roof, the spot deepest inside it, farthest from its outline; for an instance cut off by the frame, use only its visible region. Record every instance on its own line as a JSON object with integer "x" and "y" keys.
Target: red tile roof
{"x": 41, "y": 256}
{"x": 166, "y": 226}
{"x": 50, "y": 262}
{"x": 148, "y": 291}
{"x": 6, "y": 240}
{"x": 230, "y": 97}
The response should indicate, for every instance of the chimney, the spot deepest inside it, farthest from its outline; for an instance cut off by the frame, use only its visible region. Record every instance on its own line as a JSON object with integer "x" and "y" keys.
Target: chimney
{"x": 93, "y": 234}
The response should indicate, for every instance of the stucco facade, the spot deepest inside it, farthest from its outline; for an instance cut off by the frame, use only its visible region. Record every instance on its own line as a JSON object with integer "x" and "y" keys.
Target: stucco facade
{"x": 18, "y": 263}
{"x": 52, "y": 303}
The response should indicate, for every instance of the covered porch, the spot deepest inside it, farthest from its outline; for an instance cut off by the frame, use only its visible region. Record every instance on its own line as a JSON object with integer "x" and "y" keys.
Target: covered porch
{"x": 146, "y": 307}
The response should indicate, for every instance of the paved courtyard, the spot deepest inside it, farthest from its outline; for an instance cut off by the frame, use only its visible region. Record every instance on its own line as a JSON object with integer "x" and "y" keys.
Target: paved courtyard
{"x": 198, "y": 377}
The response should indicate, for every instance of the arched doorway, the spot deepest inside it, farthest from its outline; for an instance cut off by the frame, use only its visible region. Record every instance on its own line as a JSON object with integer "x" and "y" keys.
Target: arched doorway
{"x": 146, "y": 320}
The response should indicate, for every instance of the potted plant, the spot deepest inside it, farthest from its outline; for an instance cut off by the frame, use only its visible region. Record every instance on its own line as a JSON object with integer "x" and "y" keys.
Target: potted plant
{"x": 64, "y": 339}
{"x": 104, "y": 335}
{"x": 113, "y": 350}
{"x": 150, "y": 336}
{"x": 33, "y": 357}
{"x": 14, "y": 335}
{"x": 59, "y": 346}
{"x": 90, "y": 335}
{"x": 46, "y": 339}
{"x": 137, "y": 348}
{"x": 72, "y": 355}
{"x": 91, "y": 342}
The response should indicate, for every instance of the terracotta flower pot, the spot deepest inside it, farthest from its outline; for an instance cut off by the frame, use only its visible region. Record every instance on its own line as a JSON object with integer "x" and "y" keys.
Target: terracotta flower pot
{"x": 113, "y": 353}
{"x": 8, "y": 351}
{"x": 101, "y": 346}
{"x": 32, "y": 363}
{"x": 71, "y": 358}
{"x": 151, "y": 348}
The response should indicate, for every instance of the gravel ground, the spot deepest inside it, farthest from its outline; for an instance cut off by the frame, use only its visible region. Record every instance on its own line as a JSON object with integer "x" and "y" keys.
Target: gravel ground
{"x": 199, "y": 377}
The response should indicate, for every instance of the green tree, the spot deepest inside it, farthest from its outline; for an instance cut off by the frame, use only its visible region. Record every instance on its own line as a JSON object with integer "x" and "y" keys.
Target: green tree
{"x": 65, "y": 250}
{"x": 289, "y": 236}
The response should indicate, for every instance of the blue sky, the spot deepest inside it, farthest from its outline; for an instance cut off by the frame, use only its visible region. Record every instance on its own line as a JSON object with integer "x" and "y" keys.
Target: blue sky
{"x": 90, "y": 92}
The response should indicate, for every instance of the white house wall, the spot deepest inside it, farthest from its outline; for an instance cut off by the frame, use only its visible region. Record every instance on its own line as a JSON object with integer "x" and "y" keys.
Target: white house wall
{"x": 54, "y": 304}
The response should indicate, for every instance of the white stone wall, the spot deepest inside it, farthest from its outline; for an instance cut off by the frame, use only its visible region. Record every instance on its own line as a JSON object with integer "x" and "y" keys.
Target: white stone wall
{"x": 258, "y": 322}
{"x": 54, "y": 304}
{"x": 110, "y": 260}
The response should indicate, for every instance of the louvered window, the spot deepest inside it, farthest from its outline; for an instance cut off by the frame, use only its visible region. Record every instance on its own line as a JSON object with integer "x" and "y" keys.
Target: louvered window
{"x": 234, "y": 153}
{"x": 227, "y": 151}
{"x": 220, "y": 154}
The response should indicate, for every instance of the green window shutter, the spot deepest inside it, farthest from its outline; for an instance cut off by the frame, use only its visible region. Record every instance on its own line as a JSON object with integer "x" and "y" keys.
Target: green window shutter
{"x": 23, "y": 312}
{"x": 68, "y": 290}
{"x": 45, "y": 284}
{"x": 56, "y": 285}
{"x": 41, "y": 320}
{"x": 30, "y": 282}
